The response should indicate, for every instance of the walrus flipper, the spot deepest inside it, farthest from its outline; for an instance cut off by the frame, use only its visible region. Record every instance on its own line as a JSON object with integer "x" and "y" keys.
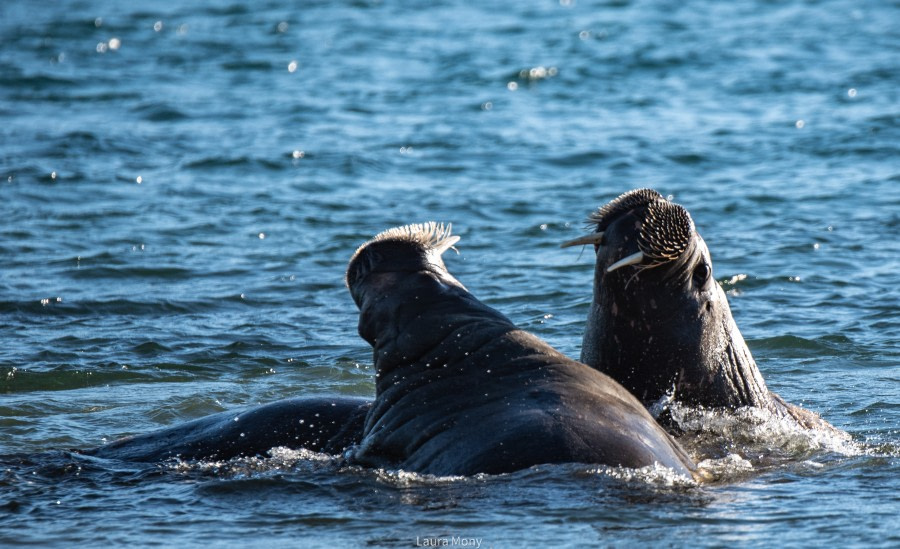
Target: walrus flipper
{"x": 320, "y": 424}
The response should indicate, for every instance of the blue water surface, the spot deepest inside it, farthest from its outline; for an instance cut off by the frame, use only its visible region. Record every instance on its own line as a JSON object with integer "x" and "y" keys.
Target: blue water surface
{"x": 183, "y": 183}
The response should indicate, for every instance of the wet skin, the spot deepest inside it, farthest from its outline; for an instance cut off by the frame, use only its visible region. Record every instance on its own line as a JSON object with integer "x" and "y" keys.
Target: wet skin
{"x": 321, "y": 424}
{"x": 461, "y": 390}
{"x": 659, "y": 322}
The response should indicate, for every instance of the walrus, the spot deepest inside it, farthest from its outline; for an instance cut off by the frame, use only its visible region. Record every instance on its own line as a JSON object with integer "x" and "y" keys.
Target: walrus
{"x": 460, "y": 390}
{"x": 321, "y": 424}
{"x": 659, "y": 323}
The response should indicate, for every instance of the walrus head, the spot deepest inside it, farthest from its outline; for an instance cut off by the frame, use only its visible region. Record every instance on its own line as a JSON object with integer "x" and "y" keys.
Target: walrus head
{"x": 396, "y": 277}
{"x": 659, "y": 323}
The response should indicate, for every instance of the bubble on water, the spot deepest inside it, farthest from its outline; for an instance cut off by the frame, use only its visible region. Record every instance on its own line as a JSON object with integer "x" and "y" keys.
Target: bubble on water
{"x": 158, "y": 26}
{"x": 262, "y": 236}
{"x": 512, "y": 86}
{"x": 282, "y": 27}
{"x": 98, "y": 22}
{"x": 139, "y": 180}
{"x": 292, "y": 66}
{"x": 115, "y": 43}
{"x": 851, "y": 92}
{"x": 740, "y": 277}
{"x": 487, "y": 105}
{"x": 538, "y": 73}
{"x": 298, "y": 154}
{"x": 800, "y": 124}
{"x": 102, "y": 47}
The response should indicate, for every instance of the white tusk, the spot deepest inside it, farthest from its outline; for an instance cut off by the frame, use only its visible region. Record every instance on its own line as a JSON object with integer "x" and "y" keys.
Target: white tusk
{"x": 632, "y": 259}
{"x": 593, "y": 238}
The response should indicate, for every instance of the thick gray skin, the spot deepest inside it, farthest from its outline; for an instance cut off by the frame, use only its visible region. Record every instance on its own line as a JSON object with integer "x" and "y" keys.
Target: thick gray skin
{"x": 320, "y": 424}
{"x": 460, "y": 390}
{"x": 668, "y": 330}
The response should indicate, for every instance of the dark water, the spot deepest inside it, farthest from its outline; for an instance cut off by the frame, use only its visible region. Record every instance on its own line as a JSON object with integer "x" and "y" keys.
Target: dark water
{"x": 182, "y": 186}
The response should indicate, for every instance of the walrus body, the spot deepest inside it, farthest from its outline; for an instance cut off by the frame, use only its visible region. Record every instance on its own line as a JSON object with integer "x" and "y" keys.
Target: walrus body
{"x": 461, "y": 390}
{"x": 321, "y": 424}
{"x": 659, "y": 323}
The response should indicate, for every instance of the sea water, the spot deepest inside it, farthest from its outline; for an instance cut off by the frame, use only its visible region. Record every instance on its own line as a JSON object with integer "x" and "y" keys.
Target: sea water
{"x": 183, "y": 183}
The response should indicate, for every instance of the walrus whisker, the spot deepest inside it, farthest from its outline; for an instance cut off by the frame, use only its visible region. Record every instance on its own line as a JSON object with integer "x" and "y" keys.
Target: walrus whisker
{"x": 632, "y": 259}
{"x": 593, "y": 238}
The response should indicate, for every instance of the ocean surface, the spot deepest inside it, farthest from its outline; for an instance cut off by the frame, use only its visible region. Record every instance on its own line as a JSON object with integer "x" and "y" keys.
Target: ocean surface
{"x": 182, "y": 185}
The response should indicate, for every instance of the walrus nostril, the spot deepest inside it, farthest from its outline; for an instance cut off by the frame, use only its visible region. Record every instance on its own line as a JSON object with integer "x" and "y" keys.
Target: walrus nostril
{"x": 665, "y": 233}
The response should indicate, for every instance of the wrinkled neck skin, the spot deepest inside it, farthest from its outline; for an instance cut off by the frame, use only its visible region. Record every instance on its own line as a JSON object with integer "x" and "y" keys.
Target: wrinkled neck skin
{"x": 461, "y": 390}
{"x": 422, "y": 310}
{"x": 409, "y": 329}
{"x": 668, "y": 329}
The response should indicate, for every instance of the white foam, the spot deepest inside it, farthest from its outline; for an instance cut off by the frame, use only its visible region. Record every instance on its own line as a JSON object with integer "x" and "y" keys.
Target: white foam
{"x": 654, "y": 475}
{"x": 750, "y": 431}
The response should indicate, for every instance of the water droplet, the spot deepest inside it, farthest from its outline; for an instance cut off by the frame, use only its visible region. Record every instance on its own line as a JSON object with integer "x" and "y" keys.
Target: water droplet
{"x": 292, "y": 66}
{"x": 53, "y": 175}
{"x": 282, "y": 27}
{"x": 158, "y": 26}
{"x": 512, "y": 86}
{"x": 487, "y": 105}
{"x": 262, "y": 236}
{"x": 851, "y": 92}
{"x": 115, "y": 43}
{"x": 799, "y": 124}
{"x": 101, "y": 47}
{"x": 98, "y": 22}
{"x": 139, "y": 180}
{"x": 298, "y": 154}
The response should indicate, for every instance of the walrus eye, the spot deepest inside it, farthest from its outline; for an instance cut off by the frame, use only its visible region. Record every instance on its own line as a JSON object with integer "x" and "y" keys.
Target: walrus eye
{"x": 701, "y": 274}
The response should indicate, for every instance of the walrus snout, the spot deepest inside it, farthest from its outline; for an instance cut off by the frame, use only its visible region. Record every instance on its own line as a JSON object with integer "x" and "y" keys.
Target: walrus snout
{"x": 409, "y": 248}
{"x": 662, "y": 230}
